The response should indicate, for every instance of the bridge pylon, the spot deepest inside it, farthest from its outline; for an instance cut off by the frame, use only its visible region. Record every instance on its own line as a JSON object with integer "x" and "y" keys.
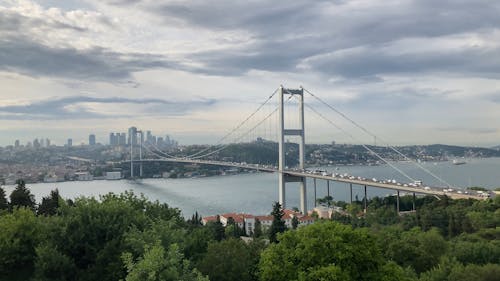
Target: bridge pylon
{"x": 299, "y": 132}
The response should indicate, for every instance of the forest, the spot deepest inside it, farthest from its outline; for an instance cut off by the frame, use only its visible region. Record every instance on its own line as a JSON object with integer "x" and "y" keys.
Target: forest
{"x": 129, "y": 237}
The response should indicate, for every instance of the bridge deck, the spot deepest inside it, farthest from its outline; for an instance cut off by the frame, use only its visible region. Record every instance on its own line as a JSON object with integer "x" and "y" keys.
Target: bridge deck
{"x": 420, "y": 190}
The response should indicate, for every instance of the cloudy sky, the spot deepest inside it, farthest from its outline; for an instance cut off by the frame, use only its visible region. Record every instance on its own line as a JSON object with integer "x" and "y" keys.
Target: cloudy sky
{"x": 413, "y": 72}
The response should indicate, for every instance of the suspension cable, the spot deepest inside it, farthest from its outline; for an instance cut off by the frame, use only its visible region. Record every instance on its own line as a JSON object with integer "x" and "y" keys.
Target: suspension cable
{"x": 365, "y": 146}
{"x": 243, "y": 135}
{"x": 160, "y": 151}
{"x": 376, "y": 137}
{"x": 240, "y": 137}
{"x": 157, "y": 154}
{"x": 219, "y": 142}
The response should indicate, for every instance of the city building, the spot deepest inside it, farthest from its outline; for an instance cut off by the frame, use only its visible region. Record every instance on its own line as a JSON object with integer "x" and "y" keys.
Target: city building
{"x": 113, "y": 139}
{"x": 132, "y": 136}
{"x": 84, "y": 176}
{"x": 16, "y": 143}
{"x": 116, "y": 175}
{"x": 70, "y": 143}
{"x": 324, "y": 212}
{"x": 91, "y": 139}
{"x": 36, "y": 143}
{"x": 123, "y": 139}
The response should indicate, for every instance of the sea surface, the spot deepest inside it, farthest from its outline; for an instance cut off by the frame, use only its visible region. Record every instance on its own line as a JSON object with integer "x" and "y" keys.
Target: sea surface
{"x": 255, "y": 192}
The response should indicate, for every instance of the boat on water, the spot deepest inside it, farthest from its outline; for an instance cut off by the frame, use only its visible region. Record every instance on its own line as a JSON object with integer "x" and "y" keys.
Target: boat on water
{"x": 458, "y": 162}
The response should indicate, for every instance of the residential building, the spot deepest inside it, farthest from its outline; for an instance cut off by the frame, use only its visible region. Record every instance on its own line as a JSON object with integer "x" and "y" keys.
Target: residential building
{"x": 247, "y": 221}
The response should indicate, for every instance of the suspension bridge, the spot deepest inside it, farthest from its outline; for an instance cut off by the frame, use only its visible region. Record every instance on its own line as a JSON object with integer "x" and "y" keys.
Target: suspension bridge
{"x": 289, "y": 100}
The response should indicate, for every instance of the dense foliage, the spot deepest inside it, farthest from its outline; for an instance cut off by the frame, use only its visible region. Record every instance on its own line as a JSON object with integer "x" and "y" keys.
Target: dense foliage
{"x": 127, "y": 237}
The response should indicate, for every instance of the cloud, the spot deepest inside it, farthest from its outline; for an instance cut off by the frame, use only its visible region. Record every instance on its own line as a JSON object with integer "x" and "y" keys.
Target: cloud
{"x": 350, "y": 39}
{"x": 397, "y": 99}
{"x": 337, "y": 38}
{"x": 83, "y": 107}
{"x": 400, "y": 59}
{"x": 472, "y": 131}
{"x": 98, "y": 64}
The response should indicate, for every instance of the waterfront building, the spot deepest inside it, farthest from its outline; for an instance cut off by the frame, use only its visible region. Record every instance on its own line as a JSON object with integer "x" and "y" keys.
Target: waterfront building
{"x": 84, "y": 176}
{"x": 115, "y": 175}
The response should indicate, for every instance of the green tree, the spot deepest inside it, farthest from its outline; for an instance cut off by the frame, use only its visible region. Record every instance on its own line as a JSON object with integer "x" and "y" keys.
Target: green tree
{"x": 196, "y": 243}
{"x": 278, "y": 225}
{"x": 257, "y": 230}
{"x": 195, "y": 220}
{"x": 295, "y": 222}
{"x": 326, "y": 201}
{"x": 50, "y": 264}
{"x": 49, "y": 204}
{"x": 22, "y": 197}
{"x": 159, "y": 265}
{"x": 20, "y": 234}
{"x": 230, "y": 259}
{"x": 420, "y": 250}
{"x": 217, "y": 229}
{"x": 450, "y": 269}
{"x": 4, "y": 204}
{"x": 476, "y": 252}
{"x": 325, "y": 250}
{"x": 94, "y": 233}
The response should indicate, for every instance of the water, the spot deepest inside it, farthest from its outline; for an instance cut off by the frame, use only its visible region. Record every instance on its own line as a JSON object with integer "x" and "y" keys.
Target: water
{"x": 255, "y": 193}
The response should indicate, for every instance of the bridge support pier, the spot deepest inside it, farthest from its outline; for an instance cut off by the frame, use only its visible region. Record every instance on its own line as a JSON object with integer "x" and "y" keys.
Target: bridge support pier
{"x": 131, "y": 160}
{"x": 414, "y": 199}
{"x": 303, "y": 196}
{"x": 328, "y": 188}
{"x": 315, "y": 199}
{"x": 140, "y": 154}
{"x": 397, "y": 202}
{"x": 283, "y": 178}
{"x": 350, "y": 188}
{"x": 366, "y": 201}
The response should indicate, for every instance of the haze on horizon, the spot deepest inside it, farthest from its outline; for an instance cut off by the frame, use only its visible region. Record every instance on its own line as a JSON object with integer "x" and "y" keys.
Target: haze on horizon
{"x": 414, "y": 72}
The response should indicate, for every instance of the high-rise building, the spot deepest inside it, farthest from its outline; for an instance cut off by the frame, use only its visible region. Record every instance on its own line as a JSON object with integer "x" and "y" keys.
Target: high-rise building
{"x": 123, "y": 139}
{"x": 92, "y": 139}
{"x": 16, "y": 143}
{"x": 70, "y": 142}
{"x": 132, "y": 136}
{"x": 47, "y": 142}
{"x": 160, "y": 142}
{"x": 149, "y": 137}
{"x": 36, "y": 143}
{"x": 113, "y": 139}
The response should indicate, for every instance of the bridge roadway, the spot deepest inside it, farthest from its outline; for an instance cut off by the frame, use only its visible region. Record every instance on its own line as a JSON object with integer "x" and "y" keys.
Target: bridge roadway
{"x": 437, "y": 191}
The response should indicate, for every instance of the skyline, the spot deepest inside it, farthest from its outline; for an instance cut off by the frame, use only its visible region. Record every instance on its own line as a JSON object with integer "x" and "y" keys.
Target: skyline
{"x": 414, "y": 72}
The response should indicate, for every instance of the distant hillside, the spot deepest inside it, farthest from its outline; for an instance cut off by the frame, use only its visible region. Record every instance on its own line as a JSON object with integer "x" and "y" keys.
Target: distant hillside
{"x": 462, "y": 151}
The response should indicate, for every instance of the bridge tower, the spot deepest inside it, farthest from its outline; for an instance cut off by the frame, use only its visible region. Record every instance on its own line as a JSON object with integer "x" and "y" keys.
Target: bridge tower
{"x": 283, "y": 176}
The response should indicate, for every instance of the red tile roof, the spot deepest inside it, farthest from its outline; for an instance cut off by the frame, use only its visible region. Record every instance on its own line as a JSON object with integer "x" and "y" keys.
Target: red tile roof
{"x": 210, "y": 218}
